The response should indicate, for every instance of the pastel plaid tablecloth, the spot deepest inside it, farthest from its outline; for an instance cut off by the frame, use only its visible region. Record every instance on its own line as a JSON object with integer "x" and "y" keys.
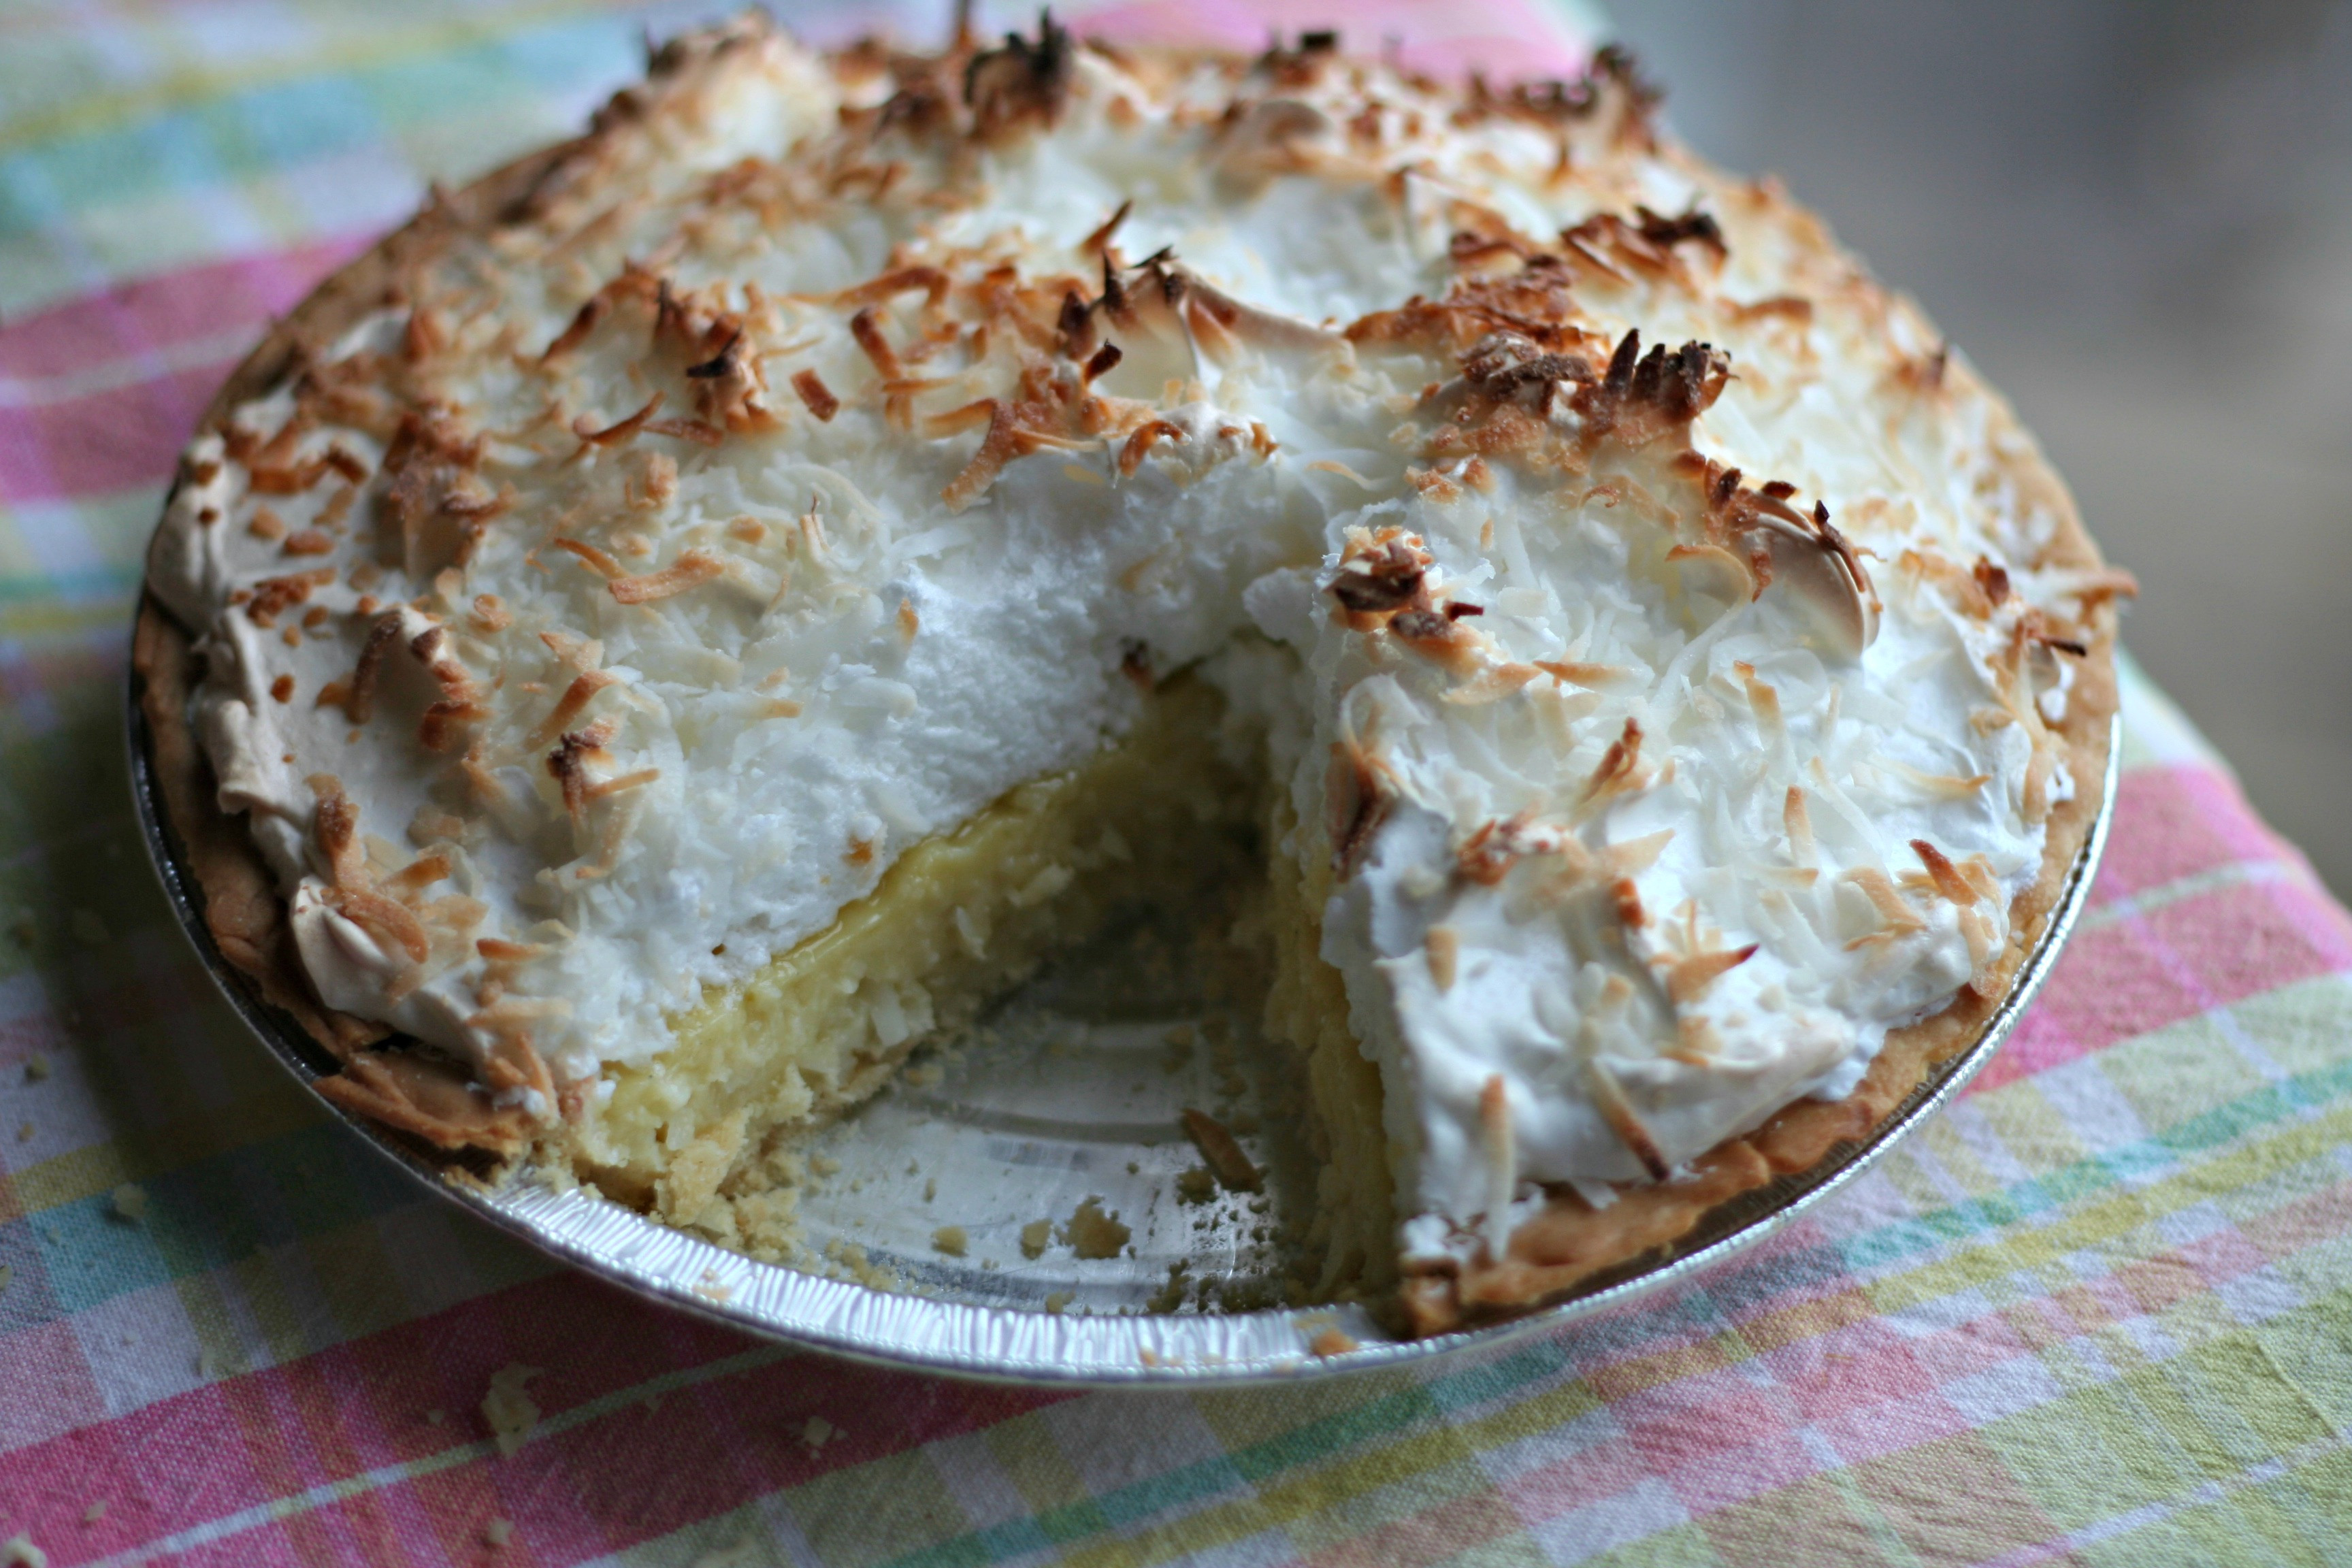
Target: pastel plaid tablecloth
{"x": 2101, "y": 1311}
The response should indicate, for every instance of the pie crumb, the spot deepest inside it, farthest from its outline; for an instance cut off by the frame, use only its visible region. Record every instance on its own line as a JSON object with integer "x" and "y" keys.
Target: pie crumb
{"x": 94, "y": 1512}
{"x": 1092, "y": 1233}
{"x": 22, "y": 1553}
{"x": 497, "y": 1531}
{"x": 1332, "y": 1342}
{"x": 1057, "y": 1300}
{"x": 508, "y": 1410}
{"x": 818, "y": 1432}
{"x": 1034, "y": 1236}
{"x": 131, "y": 1202}
{"x": 949, "y": 1239}
{"x": 36, "y": 1070}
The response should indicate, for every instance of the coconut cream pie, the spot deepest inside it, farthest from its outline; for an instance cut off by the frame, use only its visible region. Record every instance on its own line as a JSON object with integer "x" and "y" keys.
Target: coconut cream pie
{"x": 710, "y": 607}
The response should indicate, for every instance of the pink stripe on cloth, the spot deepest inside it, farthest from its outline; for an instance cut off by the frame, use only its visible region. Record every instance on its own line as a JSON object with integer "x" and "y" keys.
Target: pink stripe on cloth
{"x": 243, "y": 1444}
{"x": 151, "y": 313}
{"x": 100, "y": 394}
{"x": 2146, "y": 970}
{"x": 109, "y": 440}
{"x": 1509, "y": 39}
{"x": 48, "y": 1385}
{"x": 2184, "y": 821}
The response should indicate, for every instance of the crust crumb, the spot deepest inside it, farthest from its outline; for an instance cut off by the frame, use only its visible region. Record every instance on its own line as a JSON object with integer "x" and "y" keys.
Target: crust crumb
{"x": 510, "y": 1411}
{"x": 1093, "y": 1233}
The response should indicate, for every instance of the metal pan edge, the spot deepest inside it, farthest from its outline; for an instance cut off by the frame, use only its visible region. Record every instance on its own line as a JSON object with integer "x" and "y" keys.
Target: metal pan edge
{"x": 1009, "y": 1345}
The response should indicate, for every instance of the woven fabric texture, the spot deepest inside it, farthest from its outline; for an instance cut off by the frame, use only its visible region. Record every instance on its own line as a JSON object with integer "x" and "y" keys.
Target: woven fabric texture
{"x": 2100, "y": 1312}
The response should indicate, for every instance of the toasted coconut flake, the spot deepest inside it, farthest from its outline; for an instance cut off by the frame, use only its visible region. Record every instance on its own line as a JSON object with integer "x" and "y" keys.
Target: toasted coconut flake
{"x": 865, "y": 327}
{"x": 1435, "y": 636}
{"x": 1947, "y": 879}
{"x": 815, "y": 396}
{"x": 576, "y": 333}
{"x": 1627, "y": 898}
{"x": 1687, "y": 979}
{"x": 567, "y": 763}
{"x": 1898, "y": 917}
{"x": 1443, "y": 947}
{"x": 690, "y": 570}
{"x": 1380, "y": 574}
{"x": 1491, "y": 684}
{"x": 575, "y": 699}
{"x": 582, "y": 654}
{"x": 1799, "y": 823}
{"x": 619, "y": 431}
{"x": 1765, "y": 704}
{"x": 1609, "y": 1098}
{"x": 1015, "y": 430}
{"x": 932, "y": 283}
{"x": 335, "y": 828}
{"x": 1222, "y": 1152}
{"x": 1984, "y": 945}
{"x": 1619, "y": 772}
{"x": 2095, "y": 586}
{"x": 1595, "y": 677}
{"x": 1097, "y": 243}
{"x": 1138, "y": 445}
{"x": 272, "y": 597}
{"x": 700, "y": 432}
{"x": 1487, "y": 856}
{"x": 1498, "y": 1145}
{"x": 361, "y": 704}
{"x": 1942, "y": 786}
{"x": 390, "y": 922}
{"x": 1632, "y": 856}
{"x": 596, "y": 559}
{"x": 416, "y": 875}
{"x": 1992, "y": 582}
{"x": 1359, "y": 796}
{"x": 614, "y": 785}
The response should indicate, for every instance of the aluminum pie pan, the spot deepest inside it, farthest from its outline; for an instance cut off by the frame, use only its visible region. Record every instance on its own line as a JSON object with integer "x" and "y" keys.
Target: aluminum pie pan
{"x": 1018, "y": 1122}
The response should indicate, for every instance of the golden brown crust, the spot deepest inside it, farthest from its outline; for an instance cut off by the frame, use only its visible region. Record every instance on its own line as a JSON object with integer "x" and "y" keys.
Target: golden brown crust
{"x": 1570, "y": 1244}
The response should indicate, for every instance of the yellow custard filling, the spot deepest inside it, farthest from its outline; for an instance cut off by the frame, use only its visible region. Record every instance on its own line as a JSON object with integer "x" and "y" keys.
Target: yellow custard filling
{"x": 957, "y": 922}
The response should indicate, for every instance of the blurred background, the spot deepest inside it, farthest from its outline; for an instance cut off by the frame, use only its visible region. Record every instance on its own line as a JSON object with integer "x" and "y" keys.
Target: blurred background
{"x": 2135, "y": 217}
